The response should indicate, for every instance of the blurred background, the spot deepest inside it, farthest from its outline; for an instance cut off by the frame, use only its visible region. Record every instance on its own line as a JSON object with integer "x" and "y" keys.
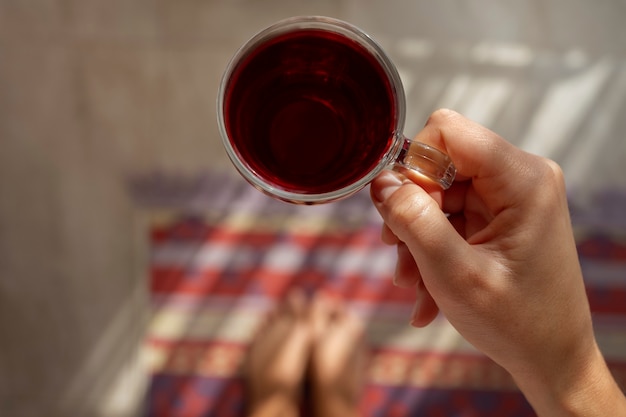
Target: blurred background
{"x": 97, "y": 93}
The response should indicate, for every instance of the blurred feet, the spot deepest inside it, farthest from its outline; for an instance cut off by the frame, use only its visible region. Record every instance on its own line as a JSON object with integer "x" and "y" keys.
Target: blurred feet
{"x": 319, "y": 342}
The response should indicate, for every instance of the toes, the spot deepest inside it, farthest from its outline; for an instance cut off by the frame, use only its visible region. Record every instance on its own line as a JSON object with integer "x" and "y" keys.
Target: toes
{"x": 352, "y": 324}
{"x": 329, "y": 314}
{"x": 321, "y": 313}
{"x": 279, "y": 352}
{"x": 295, "y": 304}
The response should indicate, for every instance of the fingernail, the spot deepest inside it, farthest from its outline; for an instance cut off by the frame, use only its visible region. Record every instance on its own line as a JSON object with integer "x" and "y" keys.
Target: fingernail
{"x": 415, "y": 322}
{"x": 386, "y": 184}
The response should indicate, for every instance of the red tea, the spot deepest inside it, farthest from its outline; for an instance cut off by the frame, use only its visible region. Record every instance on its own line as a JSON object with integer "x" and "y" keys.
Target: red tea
{"x": 310, "y": 111}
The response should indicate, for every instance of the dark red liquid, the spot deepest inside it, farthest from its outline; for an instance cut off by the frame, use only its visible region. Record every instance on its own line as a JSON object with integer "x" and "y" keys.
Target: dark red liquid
{"x": 310, "y": 111}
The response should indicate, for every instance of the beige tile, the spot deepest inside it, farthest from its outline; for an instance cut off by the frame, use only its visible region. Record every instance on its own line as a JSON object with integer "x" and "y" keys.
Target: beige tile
{"x": 121, "y": 87}
{"x": 66, "y": 247}
{"x": 113, "y": 19}
{"x": 38, "y": 127}
{"x": 192, "y": 20}
{"x": 33, "y": 19}
{"x": 150, "y": 108}
{"x": 188, "y": 139}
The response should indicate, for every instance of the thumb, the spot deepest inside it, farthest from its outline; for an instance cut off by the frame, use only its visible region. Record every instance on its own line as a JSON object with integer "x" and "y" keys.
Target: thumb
{"x": 417, "y": 220}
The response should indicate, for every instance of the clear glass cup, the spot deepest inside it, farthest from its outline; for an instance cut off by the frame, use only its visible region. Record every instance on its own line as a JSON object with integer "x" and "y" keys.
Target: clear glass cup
{"x": 311, "y": 109}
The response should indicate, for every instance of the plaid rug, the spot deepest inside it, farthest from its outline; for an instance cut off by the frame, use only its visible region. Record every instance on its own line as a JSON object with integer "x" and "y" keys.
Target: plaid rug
{"x": 224, "y": 254}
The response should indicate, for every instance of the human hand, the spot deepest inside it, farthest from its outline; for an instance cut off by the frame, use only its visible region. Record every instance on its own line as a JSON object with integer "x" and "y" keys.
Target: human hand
{"x": 502, "y": 265}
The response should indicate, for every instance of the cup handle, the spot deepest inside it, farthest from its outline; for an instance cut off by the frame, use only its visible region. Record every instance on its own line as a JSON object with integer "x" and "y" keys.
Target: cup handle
{"x": 426, "y": 161}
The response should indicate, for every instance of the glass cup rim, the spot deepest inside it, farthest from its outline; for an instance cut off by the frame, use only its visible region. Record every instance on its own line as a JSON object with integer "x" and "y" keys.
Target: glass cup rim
{"x": 337, "y": 26}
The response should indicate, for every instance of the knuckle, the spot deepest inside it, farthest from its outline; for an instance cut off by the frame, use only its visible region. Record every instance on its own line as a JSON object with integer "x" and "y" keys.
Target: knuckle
{"x": 440, "y": 115}
{"x": 552, "y": 178}
{"x": 544, "y": 176}
{"x": 544, "y": 192}
{"x": 556, "y": 171}
{"x": 403, "y": 207}
{"x": 407, "y": 209}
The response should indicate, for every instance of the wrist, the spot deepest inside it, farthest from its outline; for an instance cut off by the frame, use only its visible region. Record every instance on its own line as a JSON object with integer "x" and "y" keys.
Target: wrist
{"x": 586, "y": 389}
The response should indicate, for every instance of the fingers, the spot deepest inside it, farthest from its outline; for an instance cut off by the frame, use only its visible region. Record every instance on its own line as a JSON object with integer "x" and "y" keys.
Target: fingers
{"x": 502, "y": 177}
{"x": 407, "y": 274}
{"x": 416, "y": 219}
{"x": 482, "y": 155}
{"x": 388, "y": 237}
{"x": 475, "y": 150}
{"x": 425, "y": 309}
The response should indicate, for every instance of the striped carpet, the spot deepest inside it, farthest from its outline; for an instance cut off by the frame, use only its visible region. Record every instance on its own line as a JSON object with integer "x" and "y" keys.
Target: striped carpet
{"x": 222, "y": 254}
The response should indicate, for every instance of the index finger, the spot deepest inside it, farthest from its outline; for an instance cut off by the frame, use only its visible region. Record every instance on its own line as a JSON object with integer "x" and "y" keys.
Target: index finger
{"x": 499, "y": 171}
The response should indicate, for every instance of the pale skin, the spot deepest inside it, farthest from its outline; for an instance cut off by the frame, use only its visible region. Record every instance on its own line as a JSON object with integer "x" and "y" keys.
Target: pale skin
{"x": 502, "y": 267}
{"x": 318, "y": 339}
{"x": 496, "y": 255}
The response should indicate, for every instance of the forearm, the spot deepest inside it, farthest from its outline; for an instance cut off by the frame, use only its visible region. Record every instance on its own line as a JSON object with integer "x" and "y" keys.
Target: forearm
{"x": 588, "y": 391}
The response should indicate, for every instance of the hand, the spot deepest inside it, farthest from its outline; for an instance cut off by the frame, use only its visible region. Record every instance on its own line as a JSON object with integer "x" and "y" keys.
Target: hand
{"x": 502, "y": 266}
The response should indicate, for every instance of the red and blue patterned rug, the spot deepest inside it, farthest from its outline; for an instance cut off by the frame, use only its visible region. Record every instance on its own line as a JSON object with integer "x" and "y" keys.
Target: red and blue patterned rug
{"x": 222, "y": 254}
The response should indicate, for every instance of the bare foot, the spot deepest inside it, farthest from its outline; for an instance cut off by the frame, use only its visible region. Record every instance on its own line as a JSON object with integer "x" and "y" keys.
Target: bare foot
{"x": 277, "y": 361}
{"x": 337, "y": 359}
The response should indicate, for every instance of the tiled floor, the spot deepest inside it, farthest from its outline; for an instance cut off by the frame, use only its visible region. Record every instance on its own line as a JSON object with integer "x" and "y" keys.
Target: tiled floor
{"x": 94, "y": 93}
